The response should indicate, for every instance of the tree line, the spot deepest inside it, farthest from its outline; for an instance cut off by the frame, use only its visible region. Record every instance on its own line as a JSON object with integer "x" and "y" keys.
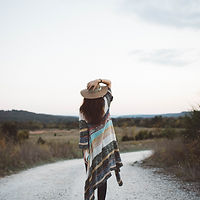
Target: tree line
{"x": 157, "y": 122}
{"x": 191, "y": 122}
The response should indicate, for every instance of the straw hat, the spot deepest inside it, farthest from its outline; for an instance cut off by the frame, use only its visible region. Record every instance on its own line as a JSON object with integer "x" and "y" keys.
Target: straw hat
{"x": 99, "y": 91}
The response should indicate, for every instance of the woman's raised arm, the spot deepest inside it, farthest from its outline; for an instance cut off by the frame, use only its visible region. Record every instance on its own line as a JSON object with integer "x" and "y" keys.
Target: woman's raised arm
{"x": 94, "y": 83}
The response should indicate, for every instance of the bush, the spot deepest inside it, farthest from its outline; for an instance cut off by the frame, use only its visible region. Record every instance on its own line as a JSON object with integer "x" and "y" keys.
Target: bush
{"x": 9, "y": 131}
{"x": 22, "y": 135}
{"x": 169, "y": 133}
{"x": 40, "y": 140}
{"x": 127, "y": 138}
{"x": 192, "y": 124}
{"x": 143, "y": 134}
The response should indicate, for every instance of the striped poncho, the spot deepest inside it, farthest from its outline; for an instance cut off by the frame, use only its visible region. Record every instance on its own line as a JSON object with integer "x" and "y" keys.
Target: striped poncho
{"x": 103, "y": 153}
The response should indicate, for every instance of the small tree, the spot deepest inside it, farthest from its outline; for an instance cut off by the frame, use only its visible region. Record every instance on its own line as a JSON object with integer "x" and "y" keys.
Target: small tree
{"x": 192, "y": 125}
{"x": 22, "y": 135}
{"x": 9, "y": 131}
{"x": 40, "y": 140}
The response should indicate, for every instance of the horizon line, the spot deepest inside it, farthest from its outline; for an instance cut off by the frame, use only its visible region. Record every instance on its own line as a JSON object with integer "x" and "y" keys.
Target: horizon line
{"x": 73, "y": 115}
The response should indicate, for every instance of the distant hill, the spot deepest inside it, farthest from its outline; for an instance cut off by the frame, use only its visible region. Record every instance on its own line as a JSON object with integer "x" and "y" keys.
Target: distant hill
{"x": 22, "y": 116}
{"x": 181, "y": 114}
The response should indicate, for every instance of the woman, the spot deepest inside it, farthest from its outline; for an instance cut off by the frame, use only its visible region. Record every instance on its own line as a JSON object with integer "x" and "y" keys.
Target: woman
{"x": 97, "y": 138}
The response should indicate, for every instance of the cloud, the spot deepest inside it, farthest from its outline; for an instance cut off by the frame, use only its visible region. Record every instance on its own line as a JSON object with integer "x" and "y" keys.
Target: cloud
{"x": 170, "y": 57}
{"x": 178, "y": 13}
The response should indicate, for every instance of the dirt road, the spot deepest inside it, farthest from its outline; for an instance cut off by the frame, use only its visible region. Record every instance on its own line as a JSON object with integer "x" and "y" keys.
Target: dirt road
{"x": 64, "y": 180}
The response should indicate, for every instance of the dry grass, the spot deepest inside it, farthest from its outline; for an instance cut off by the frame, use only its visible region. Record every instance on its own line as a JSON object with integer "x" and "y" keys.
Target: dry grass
{"x": 15, "y": 157}
{"x": 128, "y": 146}
{"x": 71, "y": 136}
{"x": 177, "y": 157}
{"x": 130, "y": 131}
{"x": 59, "y": 144}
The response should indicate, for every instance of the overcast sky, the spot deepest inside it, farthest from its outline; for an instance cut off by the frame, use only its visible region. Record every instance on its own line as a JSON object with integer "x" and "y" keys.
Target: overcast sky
{"x": 149, "y": 49}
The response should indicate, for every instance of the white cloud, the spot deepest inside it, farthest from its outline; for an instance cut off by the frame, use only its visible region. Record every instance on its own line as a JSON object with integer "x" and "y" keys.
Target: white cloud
{"x": 170, "y": 57}
{"x": 178, "y": 13}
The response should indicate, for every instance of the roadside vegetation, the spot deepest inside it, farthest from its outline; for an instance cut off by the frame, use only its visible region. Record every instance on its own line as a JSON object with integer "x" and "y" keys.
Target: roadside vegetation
{"x": 180, "y": 155}
{"x": 31, "y": 143}
{"x": 35, "y": 148}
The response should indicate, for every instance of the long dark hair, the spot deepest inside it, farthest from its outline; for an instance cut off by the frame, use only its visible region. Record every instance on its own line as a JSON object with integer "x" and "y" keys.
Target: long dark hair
{"x": 93, "y": 110}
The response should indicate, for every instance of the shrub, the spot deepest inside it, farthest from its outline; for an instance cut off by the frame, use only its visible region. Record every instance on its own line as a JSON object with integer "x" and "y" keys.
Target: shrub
{"x": 22, "y": 135}
{"x": 40, "y": 140}
{"x": 127, "y": 138}
{"x": 9, "y": 131}
{"x": 192, "y": 124}
{"x": 143, "y": 134}
{"x": 169, "y": 133}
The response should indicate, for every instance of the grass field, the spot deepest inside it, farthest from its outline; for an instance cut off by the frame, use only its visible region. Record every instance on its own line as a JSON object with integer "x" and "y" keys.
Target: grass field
{"x": 59, "y": 145}
{"x": 48, "y": 135}
{"x": 72, "y": 137}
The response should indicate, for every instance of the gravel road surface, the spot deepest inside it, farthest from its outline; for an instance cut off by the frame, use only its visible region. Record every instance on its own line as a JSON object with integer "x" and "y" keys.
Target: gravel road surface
{"x": 64, "y": 180}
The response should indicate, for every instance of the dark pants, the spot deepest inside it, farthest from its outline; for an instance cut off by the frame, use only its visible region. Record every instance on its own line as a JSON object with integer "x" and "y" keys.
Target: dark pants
{"x": 101, "y": 192}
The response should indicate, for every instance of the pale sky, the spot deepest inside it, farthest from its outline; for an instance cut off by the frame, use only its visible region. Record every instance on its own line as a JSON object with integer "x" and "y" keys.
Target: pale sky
{"x": 149, "y": 49}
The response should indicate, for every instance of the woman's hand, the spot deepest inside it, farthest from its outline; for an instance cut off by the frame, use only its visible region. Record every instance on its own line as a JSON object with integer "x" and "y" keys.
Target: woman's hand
{"x": 93, "y": 84}
{"x": 96, "y": 82}
{"x": 85, "y": 155}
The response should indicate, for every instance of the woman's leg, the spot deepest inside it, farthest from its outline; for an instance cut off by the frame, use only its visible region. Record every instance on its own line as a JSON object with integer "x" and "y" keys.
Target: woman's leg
{"x": 102, "y": 191}
{"x": 86, "y": 167}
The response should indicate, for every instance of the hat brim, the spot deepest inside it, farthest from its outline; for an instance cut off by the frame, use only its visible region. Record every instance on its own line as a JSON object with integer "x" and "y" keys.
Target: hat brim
{"x": 94, "y": 95}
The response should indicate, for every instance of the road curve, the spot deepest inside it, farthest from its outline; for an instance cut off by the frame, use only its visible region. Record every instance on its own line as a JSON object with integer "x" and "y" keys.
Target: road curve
{"x": 64, "y": 180}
